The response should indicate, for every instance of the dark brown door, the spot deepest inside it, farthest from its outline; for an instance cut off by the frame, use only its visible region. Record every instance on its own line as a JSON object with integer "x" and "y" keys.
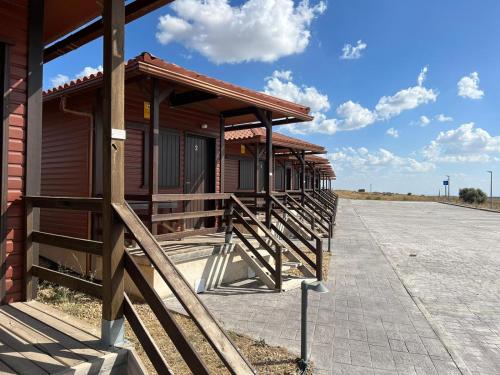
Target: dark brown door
{"x": 199, "y": 175}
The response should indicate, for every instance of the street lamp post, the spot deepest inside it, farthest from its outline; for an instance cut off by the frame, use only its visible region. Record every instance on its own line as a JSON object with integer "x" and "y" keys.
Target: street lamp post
{"x": 491, "y": 188}
{"x": 316, "y": 286}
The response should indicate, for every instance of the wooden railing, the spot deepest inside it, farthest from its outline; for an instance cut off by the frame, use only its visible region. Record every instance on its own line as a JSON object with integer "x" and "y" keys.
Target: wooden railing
{"x": 34, "y": 237}
{"x": 317, "y": 263}
{"x": 250, "y": 222}
{"x": 208, "y": 326}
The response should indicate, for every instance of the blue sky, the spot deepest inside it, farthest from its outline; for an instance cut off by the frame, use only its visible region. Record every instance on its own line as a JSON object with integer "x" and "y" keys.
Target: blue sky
{"x": 445, "y": 123}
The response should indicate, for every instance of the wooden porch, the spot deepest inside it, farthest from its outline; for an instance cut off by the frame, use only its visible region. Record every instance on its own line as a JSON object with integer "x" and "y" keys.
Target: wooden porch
{"x": 37, "y": 339}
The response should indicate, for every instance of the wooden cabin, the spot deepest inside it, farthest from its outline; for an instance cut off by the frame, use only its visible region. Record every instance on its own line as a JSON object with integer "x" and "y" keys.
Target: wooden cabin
{"x": 175, "y": 127}
{"x": 32, "y": 33}
{"x": 245, "y": 154}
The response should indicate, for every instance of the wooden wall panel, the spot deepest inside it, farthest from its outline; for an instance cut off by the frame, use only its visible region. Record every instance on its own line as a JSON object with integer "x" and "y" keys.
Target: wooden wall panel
{"x": 14, "y": 28}
{"x": 65, "y": 168}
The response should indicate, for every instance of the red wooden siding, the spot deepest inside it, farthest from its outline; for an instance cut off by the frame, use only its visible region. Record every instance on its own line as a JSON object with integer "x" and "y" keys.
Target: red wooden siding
{"x": 65, "y": 168}
{"x": 65, "y": 147}
{"x": 14, "y": 27}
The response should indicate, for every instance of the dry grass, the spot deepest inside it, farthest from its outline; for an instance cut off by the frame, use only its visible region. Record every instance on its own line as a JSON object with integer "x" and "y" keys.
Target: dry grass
{"x": 346, "y": 194}
{"x": 311, "y": 255}
{"x": 266, "y": 359}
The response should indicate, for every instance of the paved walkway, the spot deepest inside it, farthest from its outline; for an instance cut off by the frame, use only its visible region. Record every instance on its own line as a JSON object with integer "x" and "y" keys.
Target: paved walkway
{"x": 449, "y": 259}
{"x": 367, "y": 324}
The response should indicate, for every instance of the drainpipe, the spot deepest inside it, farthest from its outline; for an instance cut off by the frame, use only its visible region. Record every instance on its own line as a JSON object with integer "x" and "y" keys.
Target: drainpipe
{"x": 63, "y": 107}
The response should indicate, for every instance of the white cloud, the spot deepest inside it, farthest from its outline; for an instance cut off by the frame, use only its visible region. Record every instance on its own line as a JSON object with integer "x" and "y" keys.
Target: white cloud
{"x": 404, "y": 100}
{"x": 354, "y": 116}
{"x": 363, "y": 161}
{"x": 443, "y": 118}
{"x": 257, "y": 30}
{"x": 423, "y": 75}
{"x": 280, "y": 84}
{"x": 350, "y": 52}
{"x": 467, "y": 143}
{"x": 351, "y": 115}
{"x": 61, "y": 79}
{"x": 424, "y": 121}
{"x": 468, "y": 87}
{"x": 394, "y": 133}
{"x": 88, "y": 70}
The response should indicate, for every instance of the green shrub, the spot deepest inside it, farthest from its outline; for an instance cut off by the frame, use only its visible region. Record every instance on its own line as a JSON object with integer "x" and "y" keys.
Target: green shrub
{"x": 471, "y": 195}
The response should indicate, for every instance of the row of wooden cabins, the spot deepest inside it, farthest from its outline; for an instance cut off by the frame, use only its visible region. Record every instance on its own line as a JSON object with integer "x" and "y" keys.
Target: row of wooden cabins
{"x": 116, "y": 169}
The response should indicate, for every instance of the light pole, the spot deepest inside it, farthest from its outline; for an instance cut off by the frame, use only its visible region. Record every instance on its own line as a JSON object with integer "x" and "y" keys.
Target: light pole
{"x": 491, "y": 188}
{"x": 318, "y": 287}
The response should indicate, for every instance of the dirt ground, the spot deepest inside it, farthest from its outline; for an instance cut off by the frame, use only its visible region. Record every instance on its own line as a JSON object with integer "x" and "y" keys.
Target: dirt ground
{"x": 265, "y": 359}
{"x": 346, "y": 194}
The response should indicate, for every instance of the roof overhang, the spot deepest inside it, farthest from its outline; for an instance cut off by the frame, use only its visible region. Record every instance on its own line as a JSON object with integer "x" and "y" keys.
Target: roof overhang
{"x": 223, "y": 97}
{"x": 83, "y": 22}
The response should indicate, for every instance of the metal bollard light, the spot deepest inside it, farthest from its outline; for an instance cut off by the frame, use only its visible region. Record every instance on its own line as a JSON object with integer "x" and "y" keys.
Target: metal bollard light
{"x": 318, "y": 287}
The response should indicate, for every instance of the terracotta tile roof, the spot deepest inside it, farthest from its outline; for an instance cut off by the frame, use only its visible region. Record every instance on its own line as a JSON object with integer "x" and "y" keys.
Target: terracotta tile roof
{"x": 259, "y": 134}
{"x": 146, "y": 63}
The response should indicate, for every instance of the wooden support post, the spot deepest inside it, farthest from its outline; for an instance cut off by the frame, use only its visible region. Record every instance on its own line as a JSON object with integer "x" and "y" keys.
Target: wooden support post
{"x": 222, "y": 156}
{"x": 269, "y": 167}
{"x": 303, "y": 179}
{"x": 256, "y": 173}
{"x": 112, "y": 328}
{"x": 33, "y": 137}
{"x": 154, "y": 133}
{"x": 229, "y": 220}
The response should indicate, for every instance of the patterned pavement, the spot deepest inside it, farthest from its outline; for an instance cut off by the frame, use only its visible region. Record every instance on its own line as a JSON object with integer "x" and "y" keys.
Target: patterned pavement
{"x": 368, "y": 323}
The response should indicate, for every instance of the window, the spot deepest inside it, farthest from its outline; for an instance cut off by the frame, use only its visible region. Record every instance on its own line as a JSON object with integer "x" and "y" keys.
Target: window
{"x": 246, "y": 174}
{"x": 168, "y": 158}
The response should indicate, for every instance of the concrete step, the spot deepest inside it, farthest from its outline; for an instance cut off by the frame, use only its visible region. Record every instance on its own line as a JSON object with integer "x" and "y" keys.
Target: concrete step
{"x": 256, "y": 266}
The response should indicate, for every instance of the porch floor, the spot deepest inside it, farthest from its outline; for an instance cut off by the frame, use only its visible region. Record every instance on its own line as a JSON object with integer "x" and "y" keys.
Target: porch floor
{"x": 37, "y": 339}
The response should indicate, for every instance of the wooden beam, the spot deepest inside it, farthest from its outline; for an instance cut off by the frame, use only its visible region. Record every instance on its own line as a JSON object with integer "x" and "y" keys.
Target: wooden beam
{"x": 186, "y": 215}
{"x": 239, "y": 112}
{"x": 266, "y": 117}
{"x": 133, "y": 10}
{"x": 190, "y": 97}
{"x": 113, "y": 171}
{"x": 141, "y": 332}
{"x": 154, "y": 151}
{"x": 222, "y": 154}
{"x": 66, "y": 242}
{"x": 71, "y": 282}
{"x": 66, "y": 203}
{"x": 190, "y": 197}
{"x": 256, "y": 165}
{"x": 34, "y": 131}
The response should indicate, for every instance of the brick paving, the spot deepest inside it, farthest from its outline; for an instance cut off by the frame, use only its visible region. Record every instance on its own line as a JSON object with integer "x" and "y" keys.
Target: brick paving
{"x": 367, "y": 324}
{"x": 449, "y": 259}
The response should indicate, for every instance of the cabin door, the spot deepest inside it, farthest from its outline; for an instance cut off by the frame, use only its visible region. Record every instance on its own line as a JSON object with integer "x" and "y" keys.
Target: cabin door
{"x": 288, "y": 178}
{"x": 199, "y": 176}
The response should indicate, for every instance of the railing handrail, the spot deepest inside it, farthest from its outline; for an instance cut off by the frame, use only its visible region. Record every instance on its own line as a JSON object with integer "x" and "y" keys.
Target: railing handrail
{"x": 189, "y": 197}
{"x": 302, "y": 208}
{"x": 65, "y": 203}
{"x": 312, "y": 233}
{"x": 213, "y": 332}
{"x": 256, "y": 221}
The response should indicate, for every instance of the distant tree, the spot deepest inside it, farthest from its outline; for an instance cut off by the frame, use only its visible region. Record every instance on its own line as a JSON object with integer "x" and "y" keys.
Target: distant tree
{"x": 361, "y": 190}
{"x": 471, "y": 195}
{"x": 409, "y": 193}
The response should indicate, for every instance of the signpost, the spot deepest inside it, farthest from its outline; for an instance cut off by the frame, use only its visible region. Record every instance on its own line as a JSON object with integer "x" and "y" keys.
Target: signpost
{"x": 446, "y": 184}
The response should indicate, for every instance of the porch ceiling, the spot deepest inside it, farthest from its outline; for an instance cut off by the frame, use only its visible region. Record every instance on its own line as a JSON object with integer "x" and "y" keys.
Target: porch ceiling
{"x": 62, "y": 17}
